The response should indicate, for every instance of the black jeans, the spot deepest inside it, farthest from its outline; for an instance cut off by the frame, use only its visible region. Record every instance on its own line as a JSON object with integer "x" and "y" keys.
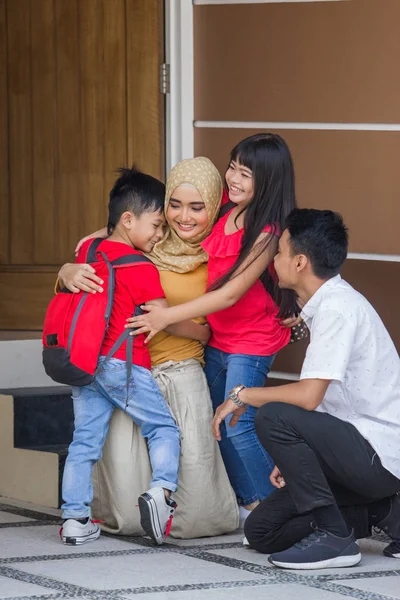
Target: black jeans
{"x": 324, "y": 461}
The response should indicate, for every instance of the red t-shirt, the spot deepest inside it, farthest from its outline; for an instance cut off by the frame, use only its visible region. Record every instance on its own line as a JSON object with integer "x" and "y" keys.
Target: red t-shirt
{"x": 250, "y": 326}
{"x": 133, "y": 286}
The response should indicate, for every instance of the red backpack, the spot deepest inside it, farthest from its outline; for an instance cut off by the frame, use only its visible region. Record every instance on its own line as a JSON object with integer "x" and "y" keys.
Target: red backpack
{"x": 75, "y": 324}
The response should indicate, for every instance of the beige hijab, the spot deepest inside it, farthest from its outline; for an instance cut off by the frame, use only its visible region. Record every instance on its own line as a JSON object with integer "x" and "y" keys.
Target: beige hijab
{"x": 182, "y": 256}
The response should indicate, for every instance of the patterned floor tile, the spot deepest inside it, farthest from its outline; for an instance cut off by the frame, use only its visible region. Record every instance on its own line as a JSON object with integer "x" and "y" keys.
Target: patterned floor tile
{"x": 120, "y": 572}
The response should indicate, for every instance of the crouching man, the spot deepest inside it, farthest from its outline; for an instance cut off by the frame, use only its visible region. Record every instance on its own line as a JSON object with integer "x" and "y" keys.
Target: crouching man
{"x": 335, "y": 434}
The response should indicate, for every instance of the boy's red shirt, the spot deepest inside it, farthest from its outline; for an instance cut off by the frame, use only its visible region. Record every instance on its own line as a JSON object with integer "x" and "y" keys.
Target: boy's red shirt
{"x": 134, "y": 286}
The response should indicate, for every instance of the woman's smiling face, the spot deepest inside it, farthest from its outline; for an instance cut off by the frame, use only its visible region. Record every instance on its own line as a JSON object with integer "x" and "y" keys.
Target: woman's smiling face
{"x": 186, "y": 212}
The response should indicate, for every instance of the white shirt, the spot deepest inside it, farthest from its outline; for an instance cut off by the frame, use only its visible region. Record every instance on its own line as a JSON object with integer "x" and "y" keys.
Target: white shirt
{"x": 350, "y": 346}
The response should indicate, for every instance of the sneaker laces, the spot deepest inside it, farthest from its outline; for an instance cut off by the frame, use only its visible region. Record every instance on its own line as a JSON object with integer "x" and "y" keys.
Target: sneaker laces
{"x": 310, "y": 539}
{"x": 91, "y": 520}
{"x": 173, "y": 506}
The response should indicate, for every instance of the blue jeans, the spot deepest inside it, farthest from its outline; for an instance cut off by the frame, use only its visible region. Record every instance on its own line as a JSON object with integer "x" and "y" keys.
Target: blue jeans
{"x": 93, "y": 407}
{"x": 247, "y": 463}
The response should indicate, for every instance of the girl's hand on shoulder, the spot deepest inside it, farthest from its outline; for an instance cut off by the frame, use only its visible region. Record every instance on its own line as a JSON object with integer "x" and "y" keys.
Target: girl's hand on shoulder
{"x": 291, "y": 321}
{"x": 79, "y": 277}
{"x": 100, "y": 233}
{"x": 154, "y": 321}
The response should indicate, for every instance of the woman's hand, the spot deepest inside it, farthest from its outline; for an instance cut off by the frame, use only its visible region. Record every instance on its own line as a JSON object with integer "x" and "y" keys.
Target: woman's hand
{"x": 206, "y": 335}
{"x": 77, "y": 277}
{"x": 223, "y": 411}
{"x": 154, "y": 321}
{"x": 291, "y": 321}
{"x": 101, "y": 233}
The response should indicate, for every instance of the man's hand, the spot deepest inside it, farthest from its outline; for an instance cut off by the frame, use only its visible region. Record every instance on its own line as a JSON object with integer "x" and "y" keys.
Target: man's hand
{"x": 276, "y": 478}
{"x": 226, "y": 409}
{"x": 291, "y": 321}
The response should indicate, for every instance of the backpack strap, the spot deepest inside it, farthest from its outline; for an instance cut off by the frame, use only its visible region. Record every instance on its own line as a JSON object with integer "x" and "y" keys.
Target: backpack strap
{"x": 129, "y": 260}
{"x": 92, "y": 249}
{"x": 125, "y": 335}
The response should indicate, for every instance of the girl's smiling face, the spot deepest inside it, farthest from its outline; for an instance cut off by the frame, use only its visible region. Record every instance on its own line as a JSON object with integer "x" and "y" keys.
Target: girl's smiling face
{"x": 240, "y": 183}
{"x": 186, "y": 212}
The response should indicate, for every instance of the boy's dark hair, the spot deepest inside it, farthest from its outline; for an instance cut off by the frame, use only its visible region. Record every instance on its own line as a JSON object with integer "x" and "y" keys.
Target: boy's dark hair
{"x": 136, "y": 192}
{"x": 320, "y": 235}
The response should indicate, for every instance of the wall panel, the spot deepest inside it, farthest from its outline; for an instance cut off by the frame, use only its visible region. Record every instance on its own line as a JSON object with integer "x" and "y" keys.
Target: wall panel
{"x": 4, "y": 188}
{"x": 305, "y": 61}
{"x": 355, "y": 173}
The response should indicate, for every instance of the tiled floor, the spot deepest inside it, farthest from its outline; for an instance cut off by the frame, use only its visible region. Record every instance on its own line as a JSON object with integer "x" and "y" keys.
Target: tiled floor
{"x": 34, "y": 565}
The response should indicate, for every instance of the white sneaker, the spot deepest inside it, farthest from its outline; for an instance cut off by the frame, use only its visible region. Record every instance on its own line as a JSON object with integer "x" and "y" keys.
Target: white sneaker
{"x": 75, "y": 533}
{"x": 246, "y": 543}
{"x": 156, "y": 514}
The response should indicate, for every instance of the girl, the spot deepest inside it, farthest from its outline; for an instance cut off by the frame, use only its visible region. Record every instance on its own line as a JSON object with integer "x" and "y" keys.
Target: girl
{"x": 243, "y": 305}
{"x": 207, "y": 504}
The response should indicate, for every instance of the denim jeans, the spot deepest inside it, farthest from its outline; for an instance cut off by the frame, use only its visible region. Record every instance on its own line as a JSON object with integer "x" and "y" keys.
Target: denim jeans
{"x": 247, "y": 463}
{"x": 93, "y": 407}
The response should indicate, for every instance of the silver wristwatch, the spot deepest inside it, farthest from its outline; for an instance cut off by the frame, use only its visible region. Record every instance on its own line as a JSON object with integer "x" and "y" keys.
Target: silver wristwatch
{"x": 234, "y": 395}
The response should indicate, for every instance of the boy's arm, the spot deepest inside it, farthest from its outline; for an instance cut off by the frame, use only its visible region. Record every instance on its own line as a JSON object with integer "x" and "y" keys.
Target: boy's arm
{"x": 187, "y": 329}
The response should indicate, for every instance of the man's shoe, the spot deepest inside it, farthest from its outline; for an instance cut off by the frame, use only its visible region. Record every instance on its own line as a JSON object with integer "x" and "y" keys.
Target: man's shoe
{"x": 75, "y": 533}
{"x": 391, "y": 523}
{"x": 319, "y": 550}
{"x": 393, "y": 550}
{"x": 156, "y": 514}
{"x": 245, "y": 543}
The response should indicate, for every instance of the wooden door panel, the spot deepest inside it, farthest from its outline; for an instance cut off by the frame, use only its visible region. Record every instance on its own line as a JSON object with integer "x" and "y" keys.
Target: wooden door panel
{"x": 79, "y": 97}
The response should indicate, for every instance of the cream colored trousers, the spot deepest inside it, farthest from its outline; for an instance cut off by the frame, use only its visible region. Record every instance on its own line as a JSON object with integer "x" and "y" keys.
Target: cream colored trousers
{"x": 207, "y": 505}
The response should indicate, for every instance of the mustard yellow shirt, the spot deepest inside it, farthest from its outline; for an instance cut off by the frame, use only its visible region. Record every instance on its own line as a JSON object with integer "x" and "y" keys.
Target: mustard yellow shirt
{"x": 179, "y": 288}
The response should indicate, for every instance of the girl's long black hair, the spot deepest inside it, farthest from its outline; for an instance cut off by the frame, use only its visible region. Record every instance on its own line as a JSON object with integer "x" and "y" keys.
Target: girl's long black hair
{"x": 268, "y": 157}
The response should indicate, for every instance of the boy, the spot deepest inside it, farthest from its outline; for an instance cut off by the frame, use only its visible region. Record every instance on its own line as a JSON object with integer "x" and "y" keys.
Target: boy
{"x": 136, "y": 219}
{"x": 335, "y": 434}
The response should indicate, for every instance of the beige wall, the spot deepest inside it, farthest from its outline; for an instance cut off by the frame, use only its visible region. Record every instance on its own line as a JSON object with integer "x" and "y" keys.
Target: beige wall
{"x": 314, "y": 62}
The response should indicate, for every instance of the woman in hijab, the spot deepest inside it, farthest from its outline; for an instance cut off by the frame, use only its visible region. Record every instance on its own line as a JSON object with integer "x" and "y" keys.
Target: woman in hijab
{"x": 207, "y": 505}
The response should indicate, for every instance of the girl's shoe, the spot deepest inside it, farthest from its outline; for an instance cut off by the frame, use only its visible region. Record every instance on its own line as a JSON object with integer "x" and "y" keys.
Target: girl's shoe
{"x": 243, "y": 514}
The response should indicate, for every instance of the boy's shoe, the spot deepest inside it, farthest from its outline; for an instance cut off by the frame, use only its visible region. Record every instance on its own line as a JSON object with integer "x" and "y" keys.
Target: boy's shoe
{"x": 75, "y": 533}
{"x": 393, "y": 550}
{"x": 319, "y": 550}
{"x": 156, "y": 514}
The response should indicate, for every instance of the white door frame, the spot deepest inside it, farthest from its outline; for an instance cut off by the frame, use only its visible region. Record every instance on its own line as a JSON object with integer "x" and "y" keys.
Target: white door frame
{"x": 179, "y": 136}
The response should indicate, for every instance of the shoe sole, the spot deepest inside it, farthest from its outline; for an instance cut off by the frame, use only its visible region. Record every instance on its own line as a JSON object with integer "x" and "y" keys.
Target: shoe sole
{"x": 149, "y": 518}
{"x": 338, "y": 561}
{"x": 78, "y": 541}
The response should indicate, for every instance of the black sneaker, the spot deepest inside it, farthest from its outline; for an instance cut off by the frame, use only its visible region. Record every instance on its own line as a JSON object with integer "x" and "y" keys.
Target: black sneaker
{"x": 393, "y": 550}
{"x": 391, "y": 523}
{"x": 319, "y": 550}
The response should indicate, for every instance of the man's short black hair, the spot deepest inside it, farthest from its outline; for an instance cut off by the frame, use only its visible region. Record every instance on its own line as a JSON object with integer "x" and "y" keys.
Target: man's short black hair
{"x": 320, "y": 235}
{"x": 135, "y": 192}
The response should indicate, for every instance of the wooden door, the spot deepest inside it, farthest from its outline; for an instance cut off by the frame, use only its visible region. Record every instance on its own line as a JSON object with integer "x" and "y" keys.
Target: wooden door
{"x": 79, "y": 97}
